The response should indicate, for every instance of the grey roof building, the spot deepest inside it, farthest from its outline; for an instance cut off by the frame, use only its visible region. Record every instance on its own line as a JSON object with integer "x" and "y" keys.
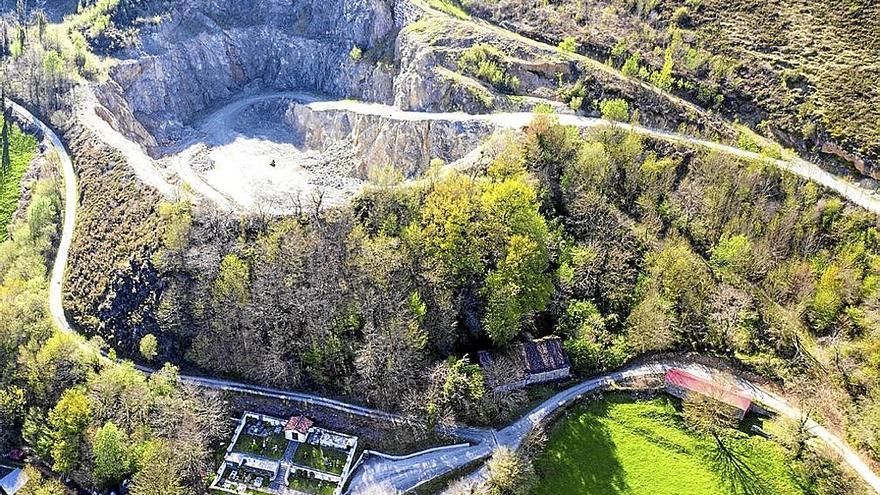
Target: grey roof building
{"x": 537, "y": 361}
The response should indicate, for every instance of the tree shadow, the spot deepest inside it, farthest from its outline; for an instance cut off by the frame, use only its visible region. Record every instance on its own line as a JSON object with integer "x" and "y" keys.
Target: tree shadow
{"x": 732, "y": 463}
{"x": 593, "y": 466}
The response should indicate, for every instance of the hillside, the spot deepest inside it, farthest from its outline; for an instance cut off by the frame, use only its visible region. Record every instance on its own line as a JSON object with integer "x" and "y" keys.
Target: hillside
{"x": 803, "y": 71}
{"x": 332, "y": 208}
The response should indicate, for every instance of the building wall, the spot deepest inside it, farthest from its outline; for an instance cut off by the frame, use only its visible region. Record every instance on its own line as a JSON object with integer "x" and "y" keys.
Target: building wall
{"x": 676, "y": 391}
{"x": 547, "y": 376}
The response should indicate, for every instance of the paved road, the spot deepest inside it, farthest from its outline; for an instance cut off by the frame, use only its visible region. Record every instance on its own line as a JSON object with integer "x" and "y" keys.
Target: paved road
{"x": 399, "y": 476}
{"x": 379, "y": 473}
{"x": 71, "y": 200}
{"x": 518, "y": 120}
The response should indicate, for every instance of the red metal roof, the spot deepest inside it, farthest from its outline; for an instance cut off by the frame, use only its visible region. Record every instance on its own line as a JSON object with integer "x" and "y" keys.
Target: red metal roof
{"x": 299, "y": 424}
{"x": 693, "y": 383}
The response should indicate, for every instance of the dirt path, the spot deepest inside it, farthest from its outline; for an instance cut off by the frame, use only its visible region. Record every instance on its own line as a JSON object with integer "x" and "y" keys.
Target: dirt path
{"x": 217, "y": 124}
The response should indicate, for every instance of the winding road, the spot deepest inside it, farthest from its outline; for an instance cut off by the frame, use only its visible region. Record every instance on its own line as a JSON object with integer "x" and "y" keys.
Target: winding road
{"x": 384, "y": 474}
{"x": 399, "y": 476}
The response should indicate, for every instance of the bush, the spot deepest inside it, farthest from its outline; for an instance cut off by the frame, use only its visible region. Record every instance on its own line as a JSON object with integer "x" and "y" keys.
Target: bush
{"x": 614, "y": 109}
{"x": 575, "y": 95}
{"x": 356, "y": 53}
{"x": 149, "y": 346}
{"x": 732, "y": 254}
{"x": 568, "y": 45}
{"x": 681, "y": 17}
{"x": 489, "y": 64}
{"x": 631, "y": 66}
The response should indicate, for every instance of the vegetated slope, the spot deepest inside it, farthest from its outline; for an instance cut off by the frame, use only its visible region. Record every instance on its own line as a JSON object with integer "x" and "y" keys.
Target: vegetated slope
{"x": 92, "y": 421}
{"x": 804, "y": 70}
{"x": 21, "y": 150}
{"x": 158, "y": 91}
{"x": 111, "y": 283}
{"x": 616, "y": 445}
{"x": 619, "y": 245}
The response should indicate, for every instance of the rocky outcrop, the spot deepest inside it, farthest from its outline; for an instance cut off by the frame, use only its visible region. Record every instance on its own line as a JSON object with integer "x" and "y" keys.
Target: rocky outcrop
{"x": 211, "y": 50}
{"x": 407, "y": 145}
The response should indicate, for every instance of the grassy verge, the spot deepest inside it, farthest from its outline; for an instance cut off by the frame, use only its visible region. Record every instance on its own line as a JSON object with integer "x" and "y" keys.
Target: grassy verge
{"x": 450, "y": 7}
{"x": 21, "y": 150}
{"x": 620, "y": 446}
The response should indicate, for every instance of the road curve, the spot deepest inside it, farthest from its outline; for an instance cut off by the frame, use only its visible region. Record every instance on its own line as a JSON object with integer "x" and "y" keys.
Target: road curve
{"x": 419, "y": 468}
{"x": 863, "y": 197}
{"x": 56, "y": 283}
{"x": 71, "y": 200}
{"x": 377, "y": 475}
{"x": 216, "y": 119}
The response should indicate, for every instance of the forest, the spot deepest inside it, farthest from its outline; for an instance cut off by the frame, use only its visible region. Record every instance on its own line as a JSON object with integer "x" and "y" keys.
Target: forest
{"x": 94, "y": 420}
{"x": 621, "y": 245}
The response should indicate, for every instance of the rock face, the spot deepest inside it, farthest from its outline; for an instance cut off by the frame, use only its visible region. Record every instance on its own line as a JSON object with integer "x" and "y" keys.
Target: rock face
{"x": 208, "y": 55}
{"x": 212, "y": 49}
{"x": 379, "y": 141}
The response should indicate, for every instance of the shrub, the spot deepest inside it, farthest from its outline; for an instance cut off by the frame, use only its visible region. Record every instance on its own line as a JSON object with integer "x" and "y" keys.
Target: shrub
{"x": 149, "y": 347}
{"x": 568, "y": 45}
{"x": 732, "y": 254}
{"x": 451, "y": 7}
{"x": 631, "y": 66}
{"x": 681, "y": 17}
{"x": 575, "y": 95}
{"x": 663, "y": 78}
{"x": 489, "y": 64}
{"x": 614, "y": 109}
{"x": 356, "y": 53}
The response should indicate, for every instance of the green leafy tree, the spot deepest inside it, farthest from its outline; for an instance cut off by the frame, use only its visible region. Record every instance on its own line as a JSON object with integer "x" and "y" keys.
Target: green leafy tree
{"x": 68, "y": 421}
{"x": 149, "y": 347}
{"x": 732, "y": 254}
{"x": 12, "y": 410}
{"x": 614, "y": 109}
{"x": 517, "y": 288}
{"x": 159, "y": 473}
{"x": 828, "y": 299}
{"x": 456, "y": 386}
{"x": 632, "y": 65}
{"x": 233, "y": 281}
{"x": 590, "y": 345}
{"x": 663, "y": 78}
{"x": 509, "y": 473}
{"x": 682, "y": 277}
{"x": 38, "y": 485}
{"x": 568, "y": 45}
{"x": 448, "y": 216}
{"x": 112, "y": 455}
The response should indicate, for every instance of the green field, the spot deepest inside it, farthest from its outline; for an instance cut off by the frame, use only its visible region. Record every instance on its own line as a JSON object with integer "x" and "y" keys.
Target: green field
{"x": 21, "y": 150}
{"x": 619, "y": 446}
